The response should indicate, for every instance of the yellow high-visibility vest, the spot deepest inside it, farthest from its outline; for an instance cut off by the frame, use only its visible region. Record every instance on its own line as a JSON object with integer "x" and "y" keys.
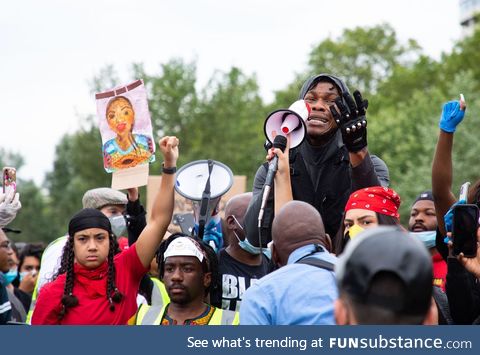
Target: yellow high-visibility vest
{"x": 159, "y": 293}
{"x": 153, "y": 315}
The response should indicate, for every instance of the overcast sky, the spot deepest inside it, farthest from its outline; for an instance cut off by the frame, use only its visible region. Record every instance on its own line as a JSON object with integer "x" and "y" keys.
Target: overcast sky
{"x": 51, "y": 49}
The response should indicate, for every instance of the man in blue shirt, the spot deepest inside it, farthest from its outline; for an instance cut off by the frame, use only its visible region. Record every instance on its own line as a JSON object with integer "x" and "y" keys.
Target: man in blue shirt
{"x": 298, "y": 292}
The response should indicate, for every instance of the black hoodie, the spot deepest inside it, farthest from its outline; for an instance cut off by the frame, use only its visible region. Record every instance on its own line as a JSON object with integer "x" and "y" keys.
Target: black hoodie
{"x": 321, "y": 176}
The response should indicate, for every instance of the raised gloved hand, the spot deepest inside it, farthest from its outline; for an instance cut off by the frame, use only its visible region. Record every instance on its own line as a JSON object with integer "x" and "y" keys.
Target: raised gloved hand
{"x": 9, "y": 206}
{"x": 352, "y": 120}
{"x": 452, "y": 115}
{"x": 448, "y": 219}
{"x": 213, "y": 233}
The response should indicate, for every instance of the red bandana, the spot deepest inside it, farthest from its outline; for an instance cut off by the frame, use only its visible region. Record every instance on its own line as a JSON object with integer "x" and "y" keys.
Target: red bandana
{"x": 94, "y": 281}
{"x": 378, "y": 199}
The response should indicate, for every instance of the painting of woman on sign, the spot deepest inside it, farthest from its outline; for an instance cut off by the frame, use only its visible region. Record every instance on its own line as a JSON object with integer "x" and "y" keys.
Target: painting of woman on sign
{"x": 127, "y": 142}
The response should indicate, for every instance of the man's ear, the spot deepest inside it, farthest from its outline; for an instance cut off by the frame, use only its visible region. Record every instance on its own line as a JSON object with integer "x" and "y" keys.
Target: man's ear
{"x": 340, "y": 312}
{"x": 207, "y": 279}
{"x": 275, "y": 257}
{"x": 328, "y": 243}
{"x": 230, "y": 222}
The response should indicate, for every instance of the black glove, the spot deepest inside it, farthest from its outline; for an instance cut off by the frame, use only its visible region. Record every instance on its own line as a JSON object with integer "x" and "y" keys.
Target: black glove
{"x": 352, "y": 120}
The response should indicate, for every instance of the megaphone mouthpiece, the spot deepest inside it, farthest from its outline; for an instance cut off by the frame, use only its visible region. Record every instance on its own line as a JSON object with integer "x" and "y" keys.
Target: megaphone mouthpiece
{"x": 290, "y": 123}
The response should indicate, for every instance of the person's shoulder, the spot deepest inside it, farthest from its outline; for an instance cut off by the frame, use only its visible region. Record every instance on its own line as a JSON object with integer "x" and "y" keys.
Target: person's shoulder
{"x": 55, "y": 287}
{"x": 273, "y": 278}
{"x": 326, "y": 256}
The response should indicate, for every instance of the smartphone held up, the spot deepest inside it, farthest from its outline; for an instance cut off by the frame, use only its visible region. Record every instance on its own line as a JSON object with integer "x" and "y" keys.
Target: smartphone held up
{"x": 464, "y": 230}
{"x": 9, "y": 180}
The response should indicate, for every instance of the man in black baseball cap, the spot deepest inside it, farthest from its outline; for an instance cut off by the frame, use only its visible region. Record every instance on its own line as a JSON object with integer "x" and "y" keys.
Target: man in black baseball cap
{"x": 385, "y": 277}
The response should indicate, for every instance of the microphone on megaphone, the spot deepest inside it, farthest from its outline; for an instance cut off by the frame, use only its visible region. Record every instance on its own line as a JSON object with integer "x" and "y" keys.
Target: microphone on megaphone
{"x": 289, "y": 121}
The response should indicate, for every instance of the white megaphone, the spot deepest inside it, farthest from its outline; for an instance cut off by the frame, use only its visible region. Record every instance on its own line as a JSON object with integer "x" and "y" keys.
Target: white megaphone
{"x": 289, "y": 122}
{"x": 204, "y": 182}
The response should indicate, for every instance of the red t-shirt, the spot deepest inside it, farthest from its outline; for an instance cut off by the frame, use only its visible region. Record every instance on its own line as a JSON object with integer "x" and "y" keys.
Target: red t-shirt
{"x": 93, "y": 307}
{"x": 439, "y": 271}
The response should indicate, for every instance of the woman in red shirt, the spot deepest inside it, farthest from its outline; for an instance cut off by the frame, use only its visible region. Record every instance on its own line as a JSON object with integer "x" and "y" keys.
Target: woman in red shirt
{"x": 93, "y": 286}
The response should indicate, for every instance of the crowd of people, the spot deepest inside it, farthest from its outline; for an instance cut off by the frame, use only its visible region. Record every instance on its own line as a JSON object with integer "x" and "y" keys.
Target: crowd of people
{"x": 326, "y": 246}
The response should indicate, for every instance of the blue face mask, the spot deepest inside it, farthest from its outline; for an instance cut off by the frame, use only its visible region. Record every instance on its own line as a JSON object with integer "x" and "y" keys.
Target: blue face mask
{"x": 10, "y": 276}
{"x": 427, "y": 238}
{"x": 248, "y": 247}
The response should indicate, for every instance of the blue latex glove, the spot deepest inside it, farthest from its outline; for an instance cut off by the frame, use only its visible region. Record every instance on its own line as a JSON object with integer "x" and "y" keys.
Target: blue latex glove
{"x": 448, "y": 219}
{"x": 213, "y": 232}
{"x": 451, "y": 116}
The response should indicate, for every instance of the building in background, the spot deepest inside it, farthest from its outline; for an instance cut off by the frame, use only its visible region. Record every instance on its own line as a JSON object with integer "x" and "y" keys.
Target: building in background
{"x": 469, "y": 15}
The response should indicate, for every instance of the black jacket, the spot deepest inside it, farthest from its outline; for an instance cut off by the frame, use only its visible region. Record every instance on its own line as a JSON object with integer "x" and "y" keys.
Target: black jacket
{"x": 335, "y": 180}
{"x": 463, "y": 293}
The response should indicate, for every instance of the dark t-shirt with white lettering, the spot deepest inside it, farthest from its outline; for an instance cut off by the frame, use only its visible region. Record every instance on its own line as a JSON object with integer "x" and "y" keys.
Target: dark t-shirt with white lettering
{"x": 237, "y": 277}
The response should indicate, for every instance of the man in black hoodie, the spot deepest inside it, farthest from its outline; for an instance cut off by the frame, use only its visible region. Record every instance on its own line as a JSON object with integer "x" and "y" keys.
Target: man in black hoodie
{"x": 332, "y": 162}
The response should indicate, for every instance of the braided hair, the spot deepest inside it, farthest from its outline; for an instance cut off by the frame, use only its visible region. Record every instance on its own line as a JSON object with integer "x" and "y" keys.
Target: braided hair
{"x": 209, "y": 264}
{"x": 69, "y": 300}
{"x": 113, "y": 294}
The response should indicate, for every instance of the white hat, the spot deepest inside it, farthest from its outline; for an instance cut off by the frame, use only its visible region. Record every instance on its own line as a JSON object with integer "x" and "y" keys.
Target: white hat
{"x": 183, "y": 246}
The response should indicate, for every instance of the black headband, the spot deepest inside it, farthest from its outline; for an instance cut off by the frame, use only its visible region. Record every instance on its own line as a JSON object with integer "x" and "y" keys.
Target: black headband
{"x": 88, "y": 218}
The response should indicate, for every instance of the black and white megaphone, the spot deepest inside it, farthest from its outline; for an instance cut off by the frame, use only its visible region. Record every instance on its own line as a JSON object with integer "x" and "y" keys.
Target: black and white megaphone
{"x": 289, "y": 122}
{"x": 204, "y": 182}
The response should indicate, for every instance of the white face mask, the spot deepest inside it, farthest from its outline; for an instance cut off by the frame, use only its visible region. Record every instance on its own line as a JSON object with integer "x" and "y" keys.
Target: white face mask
{"x": 119, "y": 225}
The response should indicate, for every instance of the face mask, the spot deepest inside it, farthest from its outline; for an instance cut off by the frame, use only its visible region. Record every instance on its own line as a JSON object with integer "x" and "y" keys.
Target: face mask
{"x": 10, "y": 276}
{"x": 354, "y": 230}
{"x": 22, "y": 275}
{"x": 249, "y": 248}
{"x": 427, "y": 238}
{"x": 119, "y": 225}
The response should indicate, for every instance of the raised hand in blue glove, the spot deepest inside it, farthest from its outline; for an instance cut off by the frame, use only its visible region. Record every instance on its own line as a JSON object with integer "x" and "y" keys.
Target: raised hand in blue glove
{"x": 452, "y": 114}
{"x": 448, "y": 218}
{"x": 213, "y": 233}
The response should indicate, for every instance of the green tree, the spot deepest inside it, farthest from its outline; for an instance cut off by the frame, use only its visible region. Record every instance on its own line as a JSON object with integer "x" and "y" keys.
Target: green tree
{"x": 229, "y": 123}
{"x": 13, "y": 159}
{"x": 32, "y": 219}
{"x": 173, "y": 102}
{"x": 78, "y": 167}
{"x": 364, "y": 56}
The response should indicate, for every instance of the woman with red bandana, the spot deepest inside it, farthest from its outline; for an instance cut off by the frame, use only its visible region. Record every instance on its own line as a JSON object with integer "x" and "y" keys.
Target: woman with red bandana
{"x": 367, "y": 208}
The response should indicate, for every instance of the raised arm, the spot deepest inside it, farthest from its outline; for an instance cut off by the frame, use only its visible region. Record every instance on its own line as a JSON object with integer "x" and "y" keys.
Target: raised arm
{"x": 351, "y": 119}
{"x": 442, "y": 170}
{"x": 136, "y": 220}
{"x": 162, "y": 209}
{"x": 283, "y": 187}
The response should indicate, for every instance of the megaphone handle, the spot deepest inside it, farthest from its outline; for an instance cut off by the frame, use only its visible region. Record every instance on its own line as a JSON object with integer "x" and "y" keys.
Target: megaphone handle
{"x": 201, "y": 228}
{"x": 202, "y": 218}
{"x": 266, "y": 192}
